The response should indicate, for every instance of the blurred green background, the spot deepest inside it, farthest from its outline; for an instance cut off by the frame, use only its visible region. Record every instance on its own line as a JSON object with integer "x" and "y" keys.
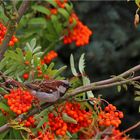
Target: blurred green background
{"x": 114, "y": 47}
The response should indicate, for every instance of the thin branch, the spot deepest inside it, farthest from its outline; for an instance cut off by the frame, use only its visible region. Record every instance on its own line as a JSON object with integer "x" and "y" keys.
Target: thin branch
{"x": 124, "y": 74}
{"x": 129, "y": 129}
{"x": 93, "y": 86}
{"x": 13, "y": 25}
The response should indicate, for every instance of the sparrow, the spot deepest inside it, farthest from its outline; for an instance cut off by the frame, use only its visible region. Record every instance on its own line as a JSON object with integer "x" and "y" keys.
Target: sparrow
{"x": 48, "y": 90}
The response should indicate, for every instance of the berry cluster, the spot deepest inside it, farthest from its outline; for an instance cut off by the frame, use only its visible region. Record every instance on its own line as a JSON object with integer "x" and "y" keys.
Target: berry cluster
{"x": 30, "y": 122}
{"x": 19, "y": 100}
{"x": 73, "y": 110}
{"x": 3, "y": 31}
{"x": 82, "y": 117}
{"x": 50, "y": 56}
{"x": 110, "y": 116}
{"x": 80, "y": 33}
{"x": 58, "y": 126}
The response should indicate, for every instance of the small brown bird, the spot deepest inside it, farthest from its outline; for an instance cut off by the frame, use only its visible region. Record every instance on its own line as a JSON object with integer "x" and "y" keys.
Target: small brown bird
{"x": 48, "y": 90}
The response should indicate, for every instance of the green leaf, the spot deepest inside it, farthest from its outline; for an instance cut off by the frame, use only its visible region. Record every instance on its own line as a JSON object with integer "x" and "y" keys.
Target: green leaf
{"x": 16, "y": 134}
{"x": 42, "y": 113}
{"x": 57, "y": 25}
{"x": 28, "y": 56}
{"x": 37, "y": 49}
{"x": 52, "y": 2}
{"x": 59, "y": 71}
{"x": 3, "y": 63}
{"x": 68, "y": 119}
{"x": 125, "y": 86}
{"x": 69, "y": 7}
{"x": 36, "y": 61}
{"x": 51, "y": 66}
{"x": 18, "y": 78}
{"x": 20, "y": 53}
{"x": 69, "y": 134}
{"x": 72, "y": 65}
{"x": 2, "y": 90}
{"x": 86, "y": 81}
{"x": 4, "y": 106}
{"x": 137, "y": 92}
{"x": 74, "y": 23}
{"x": 33, "y": 43}
{"x": 41, "y": 9}
{"x": 64, "y": 13}
{"x": 51, "y": 37}
{"x": 119, "y": 88}
{"x": 82, "y": 64}
{"x": 38, "y": 21}
{"x": 137, "y": 3}
{"x": 3, "y": 134}
{"x": 29, "y": 46}
{"x": 41, "y": 122}
{"x": 39, "y": 54}
{"x": 75, "y": 82}
{"x": 50, "y": 27}
{"x": 137, "y": 98}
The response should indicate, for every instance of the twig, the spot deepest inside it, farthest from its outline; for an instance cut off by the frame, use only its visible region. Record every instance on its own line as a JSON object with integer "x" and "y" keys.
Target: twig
{"x": 93, "y": 86}
{"x": 12, "y": 26}
{"x": 107, "y": 131}
{"x": 129, "y": 129}
{"x": 124, "y": 74}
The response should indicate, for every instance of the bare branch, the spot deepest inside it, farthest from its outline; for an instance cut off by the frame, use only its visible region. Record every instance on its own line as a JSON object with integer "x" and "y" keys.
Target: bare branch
{"x": 129, "y": 129}
{"x": 124, "y": 74}
{"x": 93, "y": 86}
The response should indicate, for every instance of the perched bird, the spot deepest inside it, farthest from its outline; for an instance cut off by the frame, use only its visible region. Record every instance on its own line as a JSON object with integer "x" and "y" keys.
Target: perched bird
{"x": 48, "y": 90}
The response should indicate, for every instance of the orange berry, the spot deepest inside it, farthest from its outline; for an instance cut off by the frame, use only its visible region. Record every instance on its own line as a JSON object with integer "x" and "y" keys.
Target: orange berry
{"x": 26, "y": 62}
{"x": 25, "y": 76}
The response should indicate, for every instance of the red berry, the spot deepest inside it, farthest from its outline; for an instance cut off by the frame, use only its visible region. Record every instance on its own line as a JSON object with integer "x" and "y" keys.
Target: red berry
{"x": 25, "y": 76}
